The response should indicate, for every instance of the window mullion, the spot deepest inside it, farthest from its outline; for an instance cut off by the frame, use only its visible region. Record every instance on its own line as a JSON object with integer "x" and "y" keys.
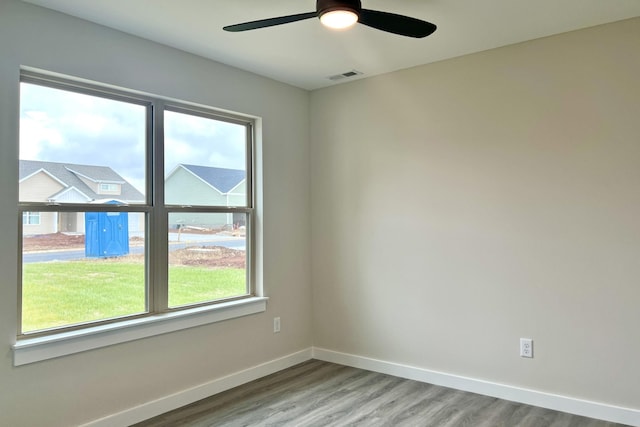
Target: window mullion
{"x": 158, "y": 236}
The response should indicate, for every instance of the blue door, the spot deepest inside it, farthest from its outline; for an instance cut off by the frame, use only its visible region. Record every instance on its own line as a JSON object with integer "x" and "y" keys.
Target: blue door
{"x": 115, "y": 233}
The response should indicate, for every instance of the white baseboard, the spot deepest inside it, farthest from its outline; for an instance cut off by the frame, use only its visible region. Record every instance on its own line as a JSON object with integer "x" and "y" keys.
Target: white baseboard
{"x": 515, "y": 394}
{"x": 185, "y": 397}
{"x": 530, "y": 397}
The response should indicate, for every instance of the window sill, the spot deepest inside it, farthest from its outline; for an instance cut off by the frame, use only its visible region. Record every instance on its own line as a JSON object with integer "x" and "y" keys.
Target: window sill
{"x": 31, "y": 350}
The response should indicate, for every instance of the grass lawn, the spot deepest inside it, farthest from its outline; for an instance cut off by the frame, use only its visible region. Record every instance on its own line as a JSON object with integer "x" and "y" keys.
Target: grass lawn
{"x": 67, "y": 293}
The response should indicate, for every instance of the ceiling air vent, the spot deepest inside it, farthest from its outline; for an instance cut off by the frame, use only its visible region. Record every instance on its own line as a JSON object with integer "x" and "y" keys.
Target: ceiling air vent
{"x": 346, "y": 75}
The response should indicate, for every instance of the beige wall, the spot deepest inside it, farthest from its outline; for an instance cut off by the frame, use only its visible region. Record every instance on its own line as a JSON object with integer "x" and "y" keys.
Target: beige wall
{"x": 48, "y": 224}
{"x": 456, "y": 207}
{"x": 459, "y": 206}
{"x": 38, "y": 188}
{"x": 71, "y": 390}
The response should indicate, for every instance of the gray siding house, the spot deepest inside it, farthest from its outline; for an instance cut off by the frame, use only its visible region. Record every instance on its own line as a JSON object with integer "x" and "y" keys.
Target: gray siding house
{"x": 193, "y": 185}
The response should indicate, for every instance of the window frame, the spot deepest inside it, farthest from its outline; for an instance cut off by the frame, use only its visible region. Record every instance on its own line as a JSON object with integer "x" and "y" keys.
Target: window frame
{"x": 157, "y": 212}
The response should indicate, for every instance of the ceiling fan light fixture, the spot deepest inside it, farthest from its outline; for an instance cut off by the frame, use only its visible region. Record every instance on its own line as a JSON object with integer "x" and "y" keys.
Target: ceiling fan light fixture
{"x": 339, "y": 19}
{"x": 341, "y": 14}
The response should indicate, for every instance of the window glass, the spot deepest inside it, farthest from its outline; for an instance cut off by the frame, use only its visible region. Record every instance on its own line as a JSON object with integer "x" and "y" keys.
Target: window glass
{"x": 93, "y": 272}
{"x": 31, "y": 218}
{"x": 205, "y": 161}
{"x": 207, "y": 258}
{"x": 205, "y": 165}
{"x": 70, "y": 143}
{"x": 109, "y": 187}
{"x": 80, "y": 266}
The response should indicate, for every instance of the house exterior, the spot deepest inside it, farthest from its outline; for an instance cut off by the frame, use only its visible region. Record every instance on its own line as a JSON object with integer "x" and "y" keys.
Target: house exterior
{"x": 53, "y": 182}
{"x": 209, "y": 186}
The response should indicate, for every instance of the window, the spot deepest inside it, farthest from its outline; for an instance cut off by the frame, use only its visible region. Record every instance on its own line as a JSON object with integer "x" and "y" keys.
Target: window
{"x": 31, "y": 218}
{"x": 217, "y": 183}
{"x": 109, "y": 188}
{"x": 144, "y": 206}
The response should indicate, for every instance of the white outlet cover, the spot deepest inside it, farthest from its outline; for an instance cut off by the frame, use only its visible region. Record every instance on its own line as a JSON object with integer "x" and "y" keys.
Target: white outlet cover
{"x": 526, "y": 347}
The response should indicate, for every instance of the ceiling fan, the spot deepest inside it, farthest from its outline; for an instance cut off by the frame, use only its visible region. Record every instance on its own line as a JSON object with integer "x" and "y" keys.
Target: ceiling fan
{"x": 340, "y": 14}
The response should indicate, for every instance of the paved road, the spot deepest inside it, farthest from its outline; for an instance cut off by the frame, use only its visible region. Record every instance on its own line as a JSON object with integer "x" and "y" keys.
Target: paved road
{"x": 67, "y": 255}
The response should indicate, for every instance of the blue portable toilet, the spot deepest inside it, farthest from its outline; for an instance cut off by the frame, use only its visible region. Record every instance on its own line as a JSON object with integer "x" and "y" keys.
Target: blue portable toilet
{"x": 106, "y": 233}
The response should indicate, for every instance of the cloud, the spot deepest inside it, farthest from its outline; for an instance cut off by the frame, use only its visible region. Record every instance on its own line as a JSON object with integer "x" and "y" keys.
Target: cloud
{"x": 203, "y": 141}
{"x": 63, "y": 126}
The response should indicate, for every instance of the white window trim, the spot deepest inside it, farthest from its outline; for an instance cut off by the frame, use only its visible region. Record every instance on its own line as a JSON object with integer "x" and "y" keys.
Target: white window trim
{"x": 31, "y": 350}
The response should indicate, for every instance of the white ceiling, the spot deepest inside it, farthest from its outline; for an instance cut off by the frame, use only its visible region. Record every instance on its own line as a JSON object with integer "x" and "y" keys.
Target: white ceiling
{"x": 305, "y": 53}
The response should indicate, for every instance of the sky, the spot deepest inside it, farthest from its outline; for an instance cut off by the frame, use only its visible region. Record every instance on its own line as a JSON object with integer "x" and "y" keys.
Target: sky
{"x": 68, "y": 127}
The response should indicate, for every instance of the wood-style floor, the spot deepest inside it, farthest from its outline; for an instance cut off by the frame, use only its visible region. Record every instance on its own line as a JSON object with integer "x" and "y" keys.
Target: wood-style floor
{"x": 318, "y": 393}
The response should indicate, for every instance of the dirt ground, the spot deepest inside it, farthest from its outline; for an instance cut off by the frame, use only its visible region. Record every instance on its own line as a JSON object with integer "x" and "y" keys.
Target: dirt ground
{"x": 201, "y": 256}
{"x": 46, "y": 242}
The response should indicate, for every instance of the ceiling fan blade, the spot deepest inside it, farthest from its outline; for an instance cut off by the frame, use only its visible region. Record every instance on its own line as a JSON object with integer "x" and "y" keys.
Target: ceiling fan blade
{"x": 397, "y": 24}
{"x": 270, "y": 22}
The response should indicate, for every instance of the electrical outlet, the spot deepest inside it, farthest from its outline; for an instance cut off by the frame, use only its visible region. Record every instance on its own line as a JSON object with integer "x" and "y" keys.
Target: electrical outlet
{"x": 276, "y": 325}
{"x": 526, "y": 347}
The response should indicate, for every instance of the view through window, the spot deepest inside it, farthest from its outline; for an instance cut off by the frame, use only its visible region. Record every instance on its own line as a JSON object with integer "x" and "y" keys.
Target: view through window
{"x": 93, "y": 197}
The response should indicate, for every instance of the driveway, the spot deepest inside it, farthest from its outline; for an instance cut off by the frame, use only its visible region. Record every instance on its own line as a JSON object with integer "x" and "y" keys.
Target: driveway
{"x": 73, "y": 254}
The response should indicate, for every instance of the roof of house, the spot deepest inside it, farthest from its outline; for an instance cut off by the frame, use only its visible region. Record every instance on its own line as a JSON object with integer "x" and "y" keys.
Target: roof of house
{"x": 68, "y": 174}
{"x": 224, "y": 180}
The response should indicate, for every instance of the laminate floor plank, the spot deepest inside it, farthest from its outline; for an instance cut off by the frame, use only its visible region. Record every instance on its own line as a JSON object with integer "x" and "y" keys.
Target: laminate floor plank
{"x": 390, "y": 408}
{"x": 497, "y": 414}
{"x": 322, "y": 394}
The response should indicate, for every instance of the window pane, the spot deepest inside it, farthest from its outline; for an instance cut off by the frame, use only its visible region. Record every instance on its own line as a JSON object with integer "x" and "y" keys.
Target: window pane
{"x": 80, "y": 267}
{"x": 79, "y": 148}
{"x": 207, "y": 257}
{"x": 205, "y": 161}
{"x": 31, "y": 218}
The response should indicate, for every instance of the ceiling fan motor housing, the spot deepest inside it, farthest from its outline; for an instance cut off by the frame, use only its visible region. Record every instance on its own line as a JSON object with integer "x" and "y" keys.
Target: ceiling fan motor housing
{"x": 324, "y": 6}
